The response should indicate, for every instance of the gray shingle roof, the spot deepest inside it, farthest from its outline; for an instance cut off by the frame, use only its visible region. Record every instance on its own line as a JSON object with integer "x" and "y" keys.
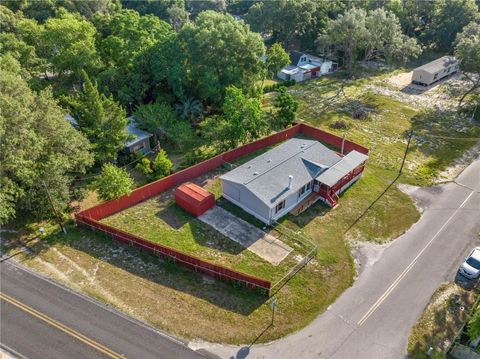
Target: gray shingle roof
{"x": 438, "y": 64}
{"x": 266, "y": 176}
{"x": 295, "y": 56}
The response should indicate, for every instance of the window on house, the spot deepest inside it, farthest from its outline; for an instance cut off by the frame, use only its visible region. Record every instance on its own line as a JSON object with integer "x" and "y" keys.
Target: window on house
{"x": 449, "y": 69}
{"x": 301, "y": 192}
{"x": 435, "y": 76}
{"x": 309, "y": 185}
{"x": 280, "y": 206}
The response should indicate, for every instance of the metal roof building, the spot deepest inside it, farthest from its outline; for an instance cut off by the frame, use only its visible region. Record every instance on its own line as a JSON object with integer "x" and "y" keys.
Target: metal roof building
{"x": 273, "y": 183}
{"x": 434, "y": 71}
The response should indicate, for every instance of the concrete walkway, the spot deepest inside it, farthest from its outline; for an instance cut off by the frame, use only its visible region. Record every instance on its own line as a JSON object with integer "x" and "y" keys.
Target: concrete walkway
{"x": 255, "y": 240}
{"x": 373, "y": 318}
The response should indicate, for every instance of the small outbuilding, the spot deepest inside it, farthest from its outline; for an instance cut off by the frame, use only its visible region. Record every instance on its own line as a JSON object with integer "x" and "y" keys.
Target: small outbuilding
{"x": 434, "y": 71}
{"x": 194, "y": 199}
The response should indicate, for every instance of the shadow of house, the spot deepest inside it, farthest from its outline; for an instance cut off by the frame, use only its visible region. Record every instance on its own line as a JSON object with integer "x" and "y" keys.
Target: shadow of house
{"x": 158, "y": 270}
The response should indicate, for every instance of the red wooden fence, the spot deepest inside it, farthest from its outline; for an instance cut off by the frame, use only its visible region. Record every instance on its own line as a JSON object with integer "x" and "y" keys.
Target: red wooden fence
{"x": 91, "y": 216}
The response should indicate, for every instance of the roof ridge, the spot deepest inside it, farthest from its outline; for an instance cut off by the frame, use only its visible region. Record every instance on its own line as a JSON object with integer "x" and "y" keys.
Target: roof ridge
{"x": 282, "y": 162}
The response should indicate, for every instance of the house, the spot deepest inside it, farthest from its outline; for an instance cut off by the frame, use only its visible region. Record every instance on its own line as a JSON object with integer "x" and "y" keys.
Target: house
{"x": 434, "y": 71}
{"x": 290, "y": 175}
{"x": 140, "y": 140}
{"x": 304, "y": 66}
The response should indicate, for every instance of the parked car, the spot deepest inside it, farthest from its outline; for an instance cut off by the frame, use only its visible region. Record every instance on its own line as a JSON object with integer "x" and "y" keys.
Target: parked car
{"x": 471, "y": 267}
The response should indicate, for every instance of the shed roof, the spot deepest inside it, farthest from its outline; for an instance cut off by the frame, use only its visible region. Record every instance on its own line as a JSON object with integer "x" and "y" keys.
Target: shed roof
{"x": 138, "y": 134}
{"x": 195, "y": 192}
{"x": 342, "y": 168}
{"x": 267, "y": 176}
{"x": 438, "y": 64}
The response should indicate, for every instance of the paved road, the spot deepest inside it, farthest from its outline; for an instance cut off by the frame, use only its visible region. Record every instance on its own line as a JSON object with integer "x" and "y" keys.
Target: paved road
{"x": 40, "y": 319}
{"x": 373, "y": 318}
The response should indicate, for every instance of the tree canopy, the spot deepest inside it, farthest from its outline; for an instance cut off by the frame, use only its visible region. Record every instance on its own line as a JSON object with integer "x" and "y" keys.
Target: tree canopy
{"x": 209, "y": 55}
{"x": 101, "y": 119}
{"x": 37, "y": 147}
{"x": 467, "y": 51}
{"x": 113, "y": 182}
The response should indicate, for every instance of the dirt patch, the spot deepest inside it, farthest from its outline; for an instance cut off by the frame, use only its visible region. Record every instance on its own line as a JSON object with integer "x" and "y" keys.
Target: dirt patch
{"x": 366, "y": 254}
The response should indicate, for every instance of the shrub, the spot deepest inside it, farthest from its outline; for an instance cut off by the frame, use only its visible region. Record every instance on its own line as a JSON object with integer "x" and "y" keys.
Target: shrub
{"x": 113, "y": 182}
{"x": 278, "y": 86}
{"x": 162, "y": 166}
{"x": 339, "y": 125}
{"x": 144, "y": 166}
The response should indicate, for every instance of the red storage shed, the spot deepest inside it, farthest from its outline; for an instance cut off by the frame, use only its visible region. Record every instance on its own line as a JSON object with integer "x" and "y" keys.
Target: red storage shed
{"x": 194, "y": 199}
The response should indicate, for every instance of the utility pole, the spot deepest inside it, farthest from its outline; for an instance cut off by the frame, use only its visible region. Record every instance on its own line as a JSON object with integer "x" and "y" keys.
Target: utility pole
{"x": 410, "y": 135}
{"x": 57, "y": 215}
{"x": 273, "y": 302}
{"x": 343, "y": 143}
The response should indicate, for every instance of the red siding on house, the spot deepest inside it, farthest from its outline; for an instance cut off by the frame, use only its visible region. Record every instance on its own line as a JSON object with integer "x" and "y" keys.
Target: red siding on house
{"x": 194, "y": 199}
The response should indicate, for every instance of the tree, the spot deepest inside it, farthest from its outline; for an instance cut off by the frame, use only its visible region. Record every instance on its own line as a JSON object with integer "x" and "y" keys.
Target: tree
{"x": 196, "y": 7}
{"x": 154, "y": 7}
{"x": 377, "y": 34}
{"x": 209, "y": 55}
{"x": 125, "y": 49}
{"x": 467, "y": 50}
{"x": 242, "y": 120}
{"x": 162, "y": 166}
{"x": 177, "y": 17}
{"x": 113, "y": 182}
{"x": 347, "y": 34}
{"x": 449, "y": 18}
{"x": 474, "y": 324}
{"x": 67, "y": 43}
{"x": 160, "y": 119}
{"x": 277, "y": 58}
{"x": 189, "y": 109}
{"x": 385, "y": 40}
{"x": 37, "y": 146}
{"x": 288, "y": 20}
{"x": 286, "y": 109}
{"x": 101, "y": 119}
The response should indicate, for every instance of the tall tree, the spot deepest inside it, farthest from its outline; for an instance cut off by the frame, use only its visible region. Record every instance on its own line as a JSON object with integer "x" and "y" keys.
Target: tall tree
{"x": 385, "y": 40}
{"x": 276, "y": 59}
{"x": 467, "y": 51}
{"x": 125, "y": 50}
{"x": 37, "y": 146}
{"x": 450, "y": 16}
{"x": 377, "y": 34}
{"x": 101, "y": 119}
{"x": 68, "y": 45}
{"x": 209, "y": 55}
{"x": 348, "y": 34}
{"x": 287, "y": 20}
{"x": 286, "y": 110}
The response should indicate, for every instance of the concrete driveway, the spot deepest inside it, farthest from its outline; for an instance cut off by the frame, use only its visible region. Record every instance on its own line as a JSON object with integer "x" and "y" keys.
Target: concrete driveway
{"x": 254, "y": 239}
{"x": 373, "y": 318}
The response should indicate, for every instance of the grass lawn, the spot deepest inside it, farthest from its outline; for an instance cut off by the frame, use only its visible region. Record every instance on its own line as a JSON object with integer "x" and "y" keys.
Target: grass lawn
{"x": 441, "y": 321}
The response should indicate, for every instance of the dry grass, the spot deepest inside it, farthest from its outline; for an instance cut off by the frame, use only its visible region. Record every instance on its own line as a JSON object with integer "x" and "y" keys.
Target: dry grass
{"x": 442, "y": 319}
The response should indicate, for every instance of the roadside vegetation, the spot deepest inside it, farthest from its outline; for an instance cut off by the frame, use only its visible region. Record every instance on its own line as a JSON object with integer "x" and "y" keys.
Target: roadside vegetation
{"x": 441, "y": 321}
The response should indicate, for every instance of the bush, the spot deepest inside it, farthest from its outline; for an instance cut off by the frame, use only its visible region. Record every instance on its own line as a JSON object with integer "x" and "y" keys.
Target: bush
{"x": 114, "y": 182}
{"x": 144, "y": 166}
{"x": 196, "y": 156}
{"x": 162, "y": 166}
{"x": 278, "y": 86}
{"x": 339, "y": 125}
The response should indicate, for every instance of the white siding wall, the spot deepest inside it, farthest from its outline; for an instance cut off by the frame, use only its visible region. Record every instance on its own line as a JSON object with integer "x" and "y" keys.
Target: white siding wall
{"x": 243, "y": 198}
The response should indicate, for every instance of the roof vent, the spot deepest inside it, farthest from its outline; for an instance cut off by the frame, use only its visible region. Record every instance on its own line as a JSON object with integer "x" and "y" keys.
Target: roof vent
{"x": 269, "y": 160}
{"x": 249, "y": 166}
{"x": 255, "y": 173}
{"x": 290, "y": 179}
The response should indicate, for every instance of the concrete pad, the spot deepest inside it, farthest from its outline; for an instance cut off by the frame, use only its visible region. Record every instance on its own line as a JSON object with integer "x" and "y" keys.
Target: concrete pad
{"x": 254, "y": 239}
